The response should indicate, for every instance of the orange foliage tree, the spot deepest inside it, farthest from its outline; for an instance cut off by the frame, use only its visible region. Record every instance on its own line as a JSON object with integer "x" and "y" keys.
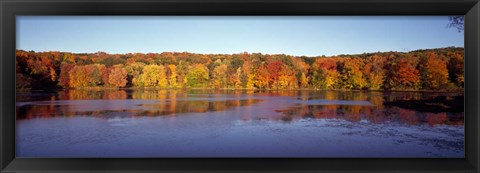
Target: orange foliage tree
{"x": 118, "y": 77}
{"x": 434, "y": 71}
{"x": 403, "y": 75}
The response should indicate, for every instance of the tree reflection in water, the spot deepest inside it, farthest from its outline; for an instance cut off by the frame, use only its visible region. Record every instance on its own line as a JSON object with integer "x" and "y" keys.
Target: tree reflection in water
{"x": 167, "y": 102}
{"x": 378, "y": 112}
{"x": 176, "y": 102}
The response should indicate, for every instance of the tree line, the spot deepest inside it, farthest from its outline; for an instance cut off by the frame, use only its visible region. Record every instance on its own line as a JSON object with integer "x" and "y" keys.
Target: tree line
{"x": 430, "y": 69}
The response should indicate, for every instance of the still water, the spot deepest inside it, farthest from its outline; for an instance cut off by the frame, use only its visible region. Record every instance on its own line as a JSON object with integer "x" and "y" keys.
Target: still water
{"x": 242, "y": 123}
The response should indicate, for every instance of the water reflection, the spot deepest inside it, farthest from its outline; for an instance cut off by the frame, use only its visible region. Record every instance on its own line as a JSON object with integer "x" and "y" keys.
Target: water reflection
{"x": 370, "y": 113}
{"x": 114, "y": 103}
{"x": 412, "y": 108}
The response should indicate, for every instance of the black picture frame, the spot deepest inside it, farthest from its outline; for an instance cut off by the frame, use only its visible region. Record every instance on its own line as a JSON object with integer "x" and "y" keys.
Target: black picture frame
{"x": 10, "y": 8}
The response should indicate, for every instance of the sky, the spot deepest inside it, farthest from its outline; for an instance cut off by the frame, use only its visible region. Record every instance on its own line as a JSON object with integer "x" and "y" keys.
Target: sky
{"x": 292, "y": 35}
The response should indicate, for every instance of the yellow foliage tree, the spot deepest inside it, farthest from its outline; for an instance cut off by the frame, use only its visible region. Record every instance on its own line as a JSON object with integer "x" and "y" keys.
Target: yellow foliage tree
{"x": 162, "y": 77}
{"x": 331, "y": 78}
{"x": 154, "y": 75}
{"x": 197, "y": 76}
{"x": 237, "y": 78}
{"x": 303, "y": 80}
{"x": 172, "y": 79}
{"x": 249, "y": 72}
{"x": 220, "y": 76}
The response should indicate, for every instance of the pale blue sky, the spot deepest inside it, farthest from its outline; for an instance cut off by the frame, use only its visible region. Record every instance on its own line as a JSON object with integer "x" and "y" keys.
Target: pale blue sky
{"x": 295, "y": 35}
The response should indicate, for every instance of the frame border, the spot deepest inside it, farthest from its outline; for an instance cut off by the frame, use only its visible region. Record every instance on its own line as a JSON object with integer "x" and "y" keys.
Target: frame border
{"x": 10, "y": 8}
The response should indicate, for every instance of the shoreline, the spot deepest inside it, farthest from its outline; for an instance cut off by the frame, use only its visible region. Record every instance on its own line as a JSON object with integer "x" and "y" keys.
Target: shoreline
{"x": 236, "y": 89}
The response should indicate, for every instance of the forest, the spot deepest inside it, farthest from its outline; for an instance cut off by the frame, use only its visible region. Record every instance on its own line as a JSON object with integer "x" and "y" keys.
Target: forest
{"x": 439, "y": 69}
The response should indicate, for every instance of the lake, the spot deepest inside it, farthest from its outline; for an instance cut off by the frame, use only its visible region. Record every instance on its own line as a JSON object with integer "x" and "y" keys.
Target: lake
{"x": 239, "y": 123}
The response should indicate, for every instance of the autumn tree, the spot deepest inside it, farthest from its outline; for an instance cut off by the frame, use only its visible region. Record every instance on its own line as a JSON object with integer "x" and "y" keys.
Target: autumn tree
{"x": 456, "y": 70}
{"x": 118, "y": 77}
{"x": 104, "y": 73}
{"x": 133, "y": 73}
{"x": 303, "y": 80}
{"x": 374, "y": 72}
{"x": 238, "y": 78}
{"x": 21, "y": 81}
{"x": 262, "y": 78}
{"x": 324, "y": 73}
{"x": 287, "y": 78}
{"x": 84, "y": 76}
{"x": 197, "y": 76}
{"x": 274, "y": 68}
{"x": 94, "y": 73}
{"x": 68, "y": 58}
{"x": 220, "y": 76}
{"x": 249, "y": 72}
{"x": 162, "y": 79}
{"x": 172, "y": 75}
{"x": 153, "y": 75}
{"x": 351, "y": 75}
{"x": 434, "y": 71}
{"x": 318, "y": 78}
{"x": 183, "y": 68}
{"x": 64, "y": 78}
{"x": 301, "y": 70}
{"x": 40, "y": 68}
{"x": 402, "y": 75}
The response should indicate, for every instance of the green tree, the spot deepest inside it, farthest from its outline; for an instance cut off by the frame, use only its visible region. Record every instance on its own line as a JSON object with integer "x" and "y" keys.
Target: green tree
{"x": 134, "y": 70}
{"x": 197, "y": 76}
